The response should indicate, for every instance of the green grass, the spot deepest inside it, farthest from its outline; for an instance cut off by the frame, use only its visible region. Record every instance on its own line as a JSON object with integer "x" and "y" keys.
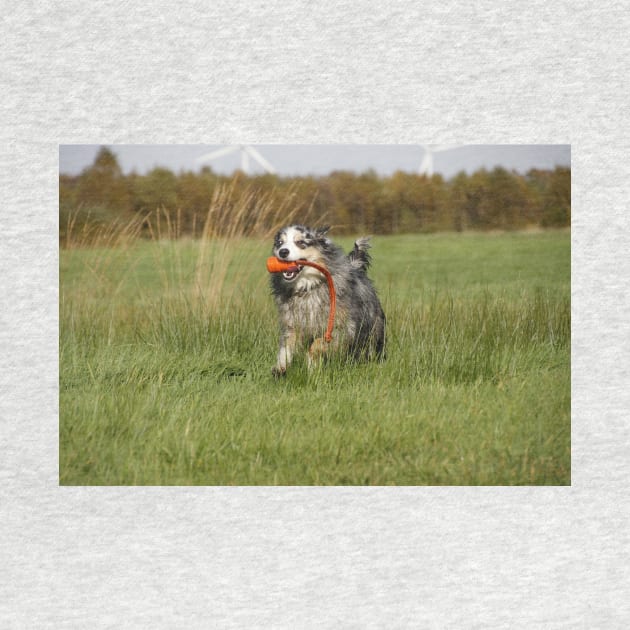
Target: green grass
{"x": 166, "y": 350}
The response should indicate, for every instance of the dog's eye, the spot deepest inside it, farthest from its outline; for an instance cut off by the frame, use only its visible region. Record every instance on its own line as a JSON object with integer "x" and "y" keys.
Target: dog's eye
{"x": 301, "y": 244}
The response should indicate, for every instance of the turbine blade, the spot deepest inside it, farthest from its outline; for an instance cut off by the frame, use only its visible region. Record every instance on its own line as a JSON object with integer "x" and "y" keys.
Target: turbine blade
{"x": 445, "y": 147}
{"x": 206, "y": 157}
{"x": 260, "y": 159}
{"x": 426, "y": 166}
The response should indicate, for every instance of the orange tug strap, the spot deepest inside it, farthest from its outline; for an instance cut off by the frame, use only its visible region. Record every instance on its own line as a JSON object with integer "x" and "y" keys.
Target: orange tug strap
{"x": 275, "y": 265}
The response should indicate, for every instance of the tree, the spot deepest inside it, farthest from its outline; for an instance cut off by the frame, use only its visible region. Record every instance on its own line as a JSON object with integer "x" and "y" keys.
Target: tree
{"x": 557, "y": 199}
{"x": 506, "y": 204}
{"x": 458, "y": 201}
{"x": 156, "y": 189}
{"x": 102, "y": 186}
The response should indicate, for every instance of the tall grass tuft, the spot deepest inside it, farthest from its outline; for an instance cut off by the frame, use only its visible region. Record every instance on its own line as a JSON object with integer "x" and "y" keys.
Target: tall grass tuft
{"x": 210, "y": 262}
{"x": 226, "y": 224}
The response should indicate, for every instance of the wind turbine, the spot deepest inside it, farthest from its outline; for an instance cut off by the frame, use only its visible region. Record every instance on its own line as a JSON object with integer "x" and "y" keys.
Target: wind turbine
{"x": 426, "y": 166}
{"x": 246, "y": 152}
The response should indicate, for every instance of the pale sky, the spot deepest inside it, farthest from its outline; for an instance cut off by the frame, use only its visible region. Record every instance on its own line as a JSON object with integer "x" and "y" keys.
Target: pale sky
{"x": 322, "y": 159}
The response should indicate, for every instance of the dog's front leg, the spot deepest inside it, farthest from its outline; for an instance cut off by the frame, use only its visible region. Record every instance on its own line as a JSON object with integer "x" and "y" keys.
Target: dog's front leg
{"x": 288, "y": 341}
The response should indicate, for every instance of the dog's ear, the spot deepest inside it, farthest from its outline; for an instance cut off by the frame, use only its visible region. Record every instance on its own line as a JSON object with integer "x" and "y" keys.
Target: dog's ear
{"x": 321, "y": 231}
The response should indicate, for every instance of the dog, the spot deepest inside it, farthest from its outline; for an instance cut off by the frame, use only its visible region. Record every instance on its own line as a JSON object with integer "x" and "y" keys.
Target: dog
{"x": 303, "y": 300}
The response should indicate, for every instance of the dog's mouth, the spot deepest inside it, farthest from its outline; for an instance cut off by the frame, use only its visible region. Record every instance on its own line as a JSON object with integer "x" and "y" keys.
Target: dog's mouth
{"x": 292, "y": 272}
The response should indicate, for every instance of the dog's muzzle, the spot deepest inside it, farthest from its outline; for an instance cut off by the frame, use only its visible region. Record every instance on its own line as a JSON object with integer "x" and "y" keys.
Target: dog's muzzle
{"x": 292, "y": 272}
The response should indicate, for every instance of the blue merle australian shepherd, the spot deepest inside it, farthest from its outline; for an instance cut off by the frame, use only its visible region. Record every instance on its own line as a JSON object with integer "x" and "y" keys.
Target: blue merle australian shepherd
{"x": 303, "y": 300}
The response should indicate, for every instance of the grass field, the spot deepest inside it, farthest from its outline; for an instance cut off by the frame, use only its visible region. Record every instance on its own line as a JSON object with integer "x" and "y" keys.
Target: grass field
{"x": 166, "y": 349}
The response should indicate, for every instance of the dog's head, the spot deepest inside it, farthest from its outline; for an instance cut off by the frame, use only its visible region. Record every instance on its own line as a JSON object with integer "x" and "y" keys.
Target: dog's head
{"x": 298, "y": 242}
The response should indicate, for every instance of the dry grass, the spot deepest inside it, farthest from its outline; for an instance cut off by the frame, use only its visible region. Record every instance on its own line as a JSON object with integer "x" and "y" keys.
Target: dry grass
{"x": 229, "y": 219}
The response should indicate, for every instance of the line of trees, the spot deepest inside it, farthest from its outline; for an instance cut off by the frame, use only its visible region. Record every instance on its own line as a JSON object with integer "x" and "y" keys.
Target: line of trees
{"x": 366, "y": 202}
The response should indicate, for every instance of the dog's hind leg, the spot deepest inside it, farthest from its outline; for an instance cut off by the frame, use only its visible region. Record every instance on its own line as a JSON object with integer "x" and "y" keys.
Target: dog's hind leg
{"x": 378, "y": 335}
{"x": 319, "y": 349}
{"x": 316, "y": 352}
{"x": 288, "y": 341}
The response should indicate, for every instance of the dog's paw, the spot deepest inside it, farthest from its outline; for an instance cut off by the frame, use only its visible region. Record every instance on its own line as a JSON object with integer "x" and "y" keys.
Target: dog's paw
{"x": 278, "y": 371}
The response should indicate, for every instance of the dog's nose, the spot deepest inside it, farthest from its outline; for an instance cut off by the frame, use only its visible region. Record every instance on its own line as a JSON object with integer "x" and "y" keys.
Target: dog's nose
{"x": 283, "y": 253}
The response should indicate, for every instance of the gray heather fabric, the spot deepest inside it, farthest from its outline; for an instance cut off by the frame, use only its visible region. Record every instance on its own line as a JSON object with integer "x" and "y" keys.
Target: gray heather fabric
{"x": 301, "y": 72}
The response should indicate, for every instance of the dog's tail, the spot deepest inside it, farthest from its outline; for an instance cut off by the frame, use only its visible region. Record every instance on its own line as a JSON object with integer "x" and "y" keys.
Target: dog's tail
{"x": 359, "y": 256}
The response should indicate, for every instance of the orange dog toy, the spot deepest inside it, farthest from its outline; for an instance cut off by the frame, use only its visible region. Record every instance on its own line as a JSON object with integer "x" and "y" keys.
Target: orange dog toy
{"x": 275, "y": 265}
